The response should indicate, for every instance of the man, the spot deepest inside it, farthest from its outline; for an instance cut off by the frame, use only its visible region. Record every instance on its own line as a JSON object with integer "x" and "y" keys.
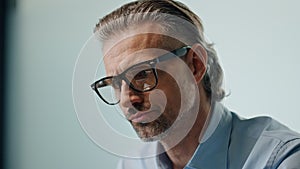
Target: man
{"x": 167, "y": 80}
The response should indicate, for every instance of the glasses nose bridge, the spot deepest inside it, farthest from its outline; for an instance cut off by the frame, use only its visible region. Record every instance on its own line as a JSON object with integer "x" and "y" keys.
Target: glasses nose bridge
{"x": 124, "y": 84}
{"x": 128, "y": 79}
{"x": 124, "y": 81}
{"x": 128, "y": 95}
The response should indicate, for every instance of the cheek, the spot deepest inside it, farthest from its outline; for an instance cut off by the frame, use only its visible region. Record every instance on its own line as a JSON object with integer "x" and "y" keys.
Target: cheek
{"x": 171, "y": 89}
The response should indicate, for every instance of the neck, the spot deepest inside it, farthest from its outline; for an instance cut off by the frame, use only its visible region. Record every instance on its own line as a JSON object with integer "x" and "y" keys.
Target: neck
{"x": 184, "y": 150}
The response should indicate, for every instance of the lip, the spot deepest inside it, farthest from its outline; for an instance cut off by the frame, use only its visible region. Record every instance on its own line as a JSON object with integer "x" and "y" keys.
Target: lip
{"x": 144, "y": 117}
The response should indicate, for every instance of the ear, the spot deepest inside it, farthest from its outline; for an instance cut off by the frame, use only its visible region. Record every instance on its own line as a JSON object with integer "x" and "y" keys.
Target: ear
{"x": 196, "y": 60}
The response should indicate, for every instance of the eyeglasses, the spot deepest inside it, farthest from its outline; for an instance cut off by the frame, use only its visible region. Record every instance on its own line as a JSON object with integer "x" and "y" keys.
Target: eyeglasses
{"x": 141, "y": 77}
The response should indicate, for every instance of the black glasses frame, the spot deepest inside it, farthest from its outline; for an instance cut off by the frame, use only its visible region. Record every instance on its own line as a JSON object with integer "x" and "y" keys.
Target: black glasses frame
{"x": 102, "y": 82}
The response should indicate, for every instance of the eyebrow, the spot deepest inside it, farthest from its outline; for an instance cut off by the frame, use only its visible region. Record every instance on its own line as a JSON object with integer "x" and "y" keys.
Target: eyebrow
{"x": 140, "y": 58}
{"x": 179, "y": 52}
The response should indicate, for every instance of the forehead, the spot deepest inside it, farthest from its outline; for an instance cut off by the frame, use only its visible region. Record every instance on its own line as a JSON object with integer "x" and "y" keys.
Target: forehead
{"x": 135, "y": 49}
{"x": 136, "y": 44}
{"x": 132, "y": 44}
{"x": 129, "y": 52}
{"x": 134, "y": 37}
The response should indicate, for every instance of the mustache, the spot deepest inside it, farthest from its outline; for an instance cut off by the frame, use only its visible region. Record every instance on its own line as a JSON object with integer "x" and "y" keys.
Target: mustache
{"x": 138, "y": 107}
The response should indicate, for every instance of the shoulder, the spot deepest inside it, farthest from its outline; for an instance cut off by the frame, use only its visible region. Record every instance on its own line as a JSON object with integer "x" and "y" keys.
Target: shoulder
{"x": 263, "y": 126}
{"x": 268, "y": 139}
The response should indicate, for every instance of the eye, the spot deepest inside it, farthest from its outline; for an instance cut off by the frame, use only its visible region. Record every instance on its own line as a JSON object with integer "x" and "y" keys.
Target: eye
{"x": 142, "y": 75}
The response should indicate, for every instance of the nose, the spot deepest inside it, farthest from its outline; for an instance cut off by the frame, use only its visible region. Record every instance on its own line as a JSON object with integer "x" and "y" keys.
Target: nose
{"x": 129, "y": 97}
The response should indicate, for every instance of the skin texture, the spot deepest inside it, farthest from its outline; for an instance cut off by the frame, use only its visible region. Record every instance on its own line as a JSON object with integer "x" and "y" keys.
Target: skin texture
{"x": 153, "y": 113}
{"x": 132, "y": 102}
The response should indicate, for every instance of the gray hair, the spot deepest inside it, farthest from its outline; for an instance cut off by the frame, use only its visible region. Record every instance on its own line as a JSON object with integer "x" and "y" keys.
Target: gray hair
{"x": 165, "y": 12}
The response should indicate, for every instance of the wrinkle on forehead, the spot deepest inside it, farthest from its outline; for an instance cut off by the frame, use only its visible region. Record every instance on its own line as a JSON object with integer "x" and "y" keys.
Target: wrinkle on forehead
{"x": 141, "y": 56}
{"x": 123, "y": 51}
{"x": 135, "y": 30}
{"x": 134, "y": 43}
{"x": 139, "y": 42}
{"x": 130, "y": 50}
{"x": 124, "y": 62}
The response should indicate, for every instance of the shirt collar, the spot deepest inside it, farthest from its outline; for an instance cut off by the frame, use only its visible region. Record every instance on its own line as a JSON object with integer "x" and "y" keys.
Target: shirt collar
{"x": 162, "y": 160}
{"x": 213, "y": 145}
{"x": 213, "y": 148}
{"x": 213, "y": 121}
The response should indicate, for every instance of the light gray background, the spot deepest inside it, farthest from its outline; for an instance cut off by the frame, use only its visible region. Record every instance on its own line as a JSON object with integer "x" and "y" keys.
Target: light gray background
{"x": 257, "y": 41}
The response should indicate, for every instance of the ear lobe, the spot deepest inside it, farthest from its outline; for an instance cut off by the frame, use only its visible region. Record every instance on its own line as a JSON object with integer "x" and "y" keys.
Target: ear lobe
{"x": 196, "y": 60}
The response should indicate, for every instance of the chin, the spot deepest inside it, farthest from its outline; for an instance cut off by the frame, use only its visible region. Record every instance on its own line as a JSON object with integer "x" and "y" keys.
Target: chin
{"x": 151, "y": 138}
{"x": 149, "y": 132}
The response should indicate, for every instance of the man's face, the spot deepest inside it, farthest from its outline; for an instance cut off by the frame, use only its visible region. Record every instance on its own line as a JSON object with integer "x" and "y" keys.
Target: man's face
{"x": 150, "y": 113}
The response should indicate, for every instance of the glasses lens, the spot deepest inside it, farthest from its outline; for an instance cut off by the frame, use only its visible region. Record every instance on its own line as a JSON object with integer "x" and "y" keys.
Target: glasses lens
{"x": 142, "y": 77}
{"x": 110, "y": 92}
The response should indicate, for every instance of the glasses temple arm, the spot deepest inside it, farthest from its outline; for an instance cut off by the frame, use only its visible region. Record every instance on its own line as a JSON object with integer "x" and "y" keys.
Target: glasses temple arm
{"x": 176, "y": 53}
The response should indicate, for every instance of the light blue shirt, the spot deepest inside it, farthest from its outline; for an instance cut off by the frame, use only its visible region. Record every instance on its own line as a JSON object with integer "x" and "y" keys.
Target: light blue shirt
{"x": 231, "y": 142}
